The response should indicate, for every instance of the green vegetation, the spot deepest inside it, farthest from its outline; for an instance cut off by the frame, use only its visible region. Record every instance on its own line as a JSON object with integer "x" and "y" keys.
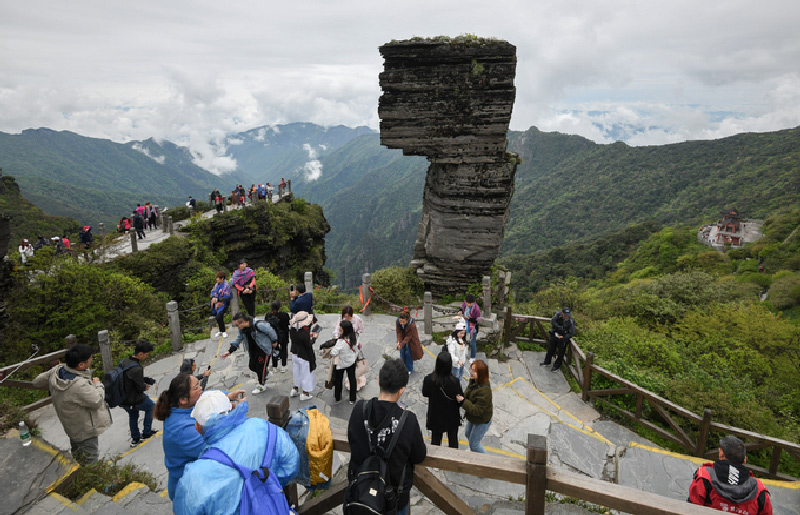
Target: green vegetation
{"x": 28, "y": 221}
{"x": 686, "y": 323}
{"x": 107, "y": 477}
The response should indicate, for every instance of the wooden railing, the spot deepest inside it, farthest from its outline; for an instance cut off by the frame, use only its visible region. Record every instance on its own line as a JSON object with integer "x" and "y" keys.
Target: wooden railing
{"x": 41, "y": 360}
{"x": 532, "y": 472}
{"x": 527, "y": 329}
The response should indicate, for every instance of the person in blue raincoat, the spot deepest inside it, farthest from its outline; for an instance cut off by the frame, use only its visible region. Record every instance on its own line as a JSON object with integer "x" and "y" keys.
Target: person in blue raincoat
{"x": 182, "y": 443}
{"x": 208, "y": 486}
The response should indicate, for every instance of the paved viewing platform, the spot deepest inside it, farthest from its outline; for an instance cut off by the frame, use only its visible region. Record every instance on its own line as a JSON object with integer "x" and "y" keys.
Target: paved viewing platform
{"x": 527, "y": 399}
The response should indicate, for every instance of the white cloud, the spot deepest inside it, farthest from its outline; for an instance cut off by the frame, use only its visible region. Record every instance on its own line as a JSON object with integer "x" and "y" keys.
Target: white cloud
{"x": 648, "y": 72}
{"x": 312, "y": 170}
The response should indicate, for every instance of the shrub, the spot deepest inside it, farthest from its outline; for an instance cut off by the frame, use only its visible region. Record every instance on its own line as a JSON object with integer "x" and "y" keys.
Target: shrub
{"x": 397, "y": 285}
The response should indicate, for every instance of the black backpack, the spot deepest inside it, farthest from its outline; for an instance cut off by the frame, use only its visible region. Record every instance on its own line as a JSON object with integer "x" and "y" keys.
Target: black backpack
{"x": 114, "y": 383}
{"x": 371, "y": 491}
{"x": 275, "y": 322}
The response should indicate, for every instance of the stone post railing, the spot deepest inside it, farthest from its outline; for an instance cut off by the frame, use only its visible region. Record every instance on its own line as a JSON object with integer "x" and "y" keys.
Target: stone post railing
{"x": 105, "y": 350}
{"x": 366, "y": 293}
{"x": 234, "y": 301}
{"x": 308, "y": 280}
{"x": 134, "y": 243}
{"x": 487, "y": 296}
{"x": 174, "y": 326}
{"x": 427, "y": 311}
{"x": 289, "y": 184}
{"x": 102, "y": 242}
{"x": 171, "y": 227}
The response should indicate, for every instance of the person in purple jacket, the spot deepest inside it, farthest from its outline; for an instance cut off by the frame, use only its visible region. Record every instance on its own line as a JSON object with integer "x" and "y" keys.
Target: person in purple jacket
{"x": 471, "y": 314}
{"x": 220, "y": 298}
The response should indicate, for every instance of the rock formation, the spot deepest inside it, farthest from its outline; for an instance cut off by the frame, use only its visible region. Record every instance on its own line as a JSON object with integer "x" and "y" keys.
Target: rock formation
{"x": 450, "y": 100}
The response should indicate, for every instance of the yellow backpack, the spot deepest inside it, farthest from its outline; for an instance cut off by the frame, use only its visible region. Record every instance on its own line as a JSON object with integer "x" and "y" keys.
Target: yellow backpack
{"x": 320, "y": 449}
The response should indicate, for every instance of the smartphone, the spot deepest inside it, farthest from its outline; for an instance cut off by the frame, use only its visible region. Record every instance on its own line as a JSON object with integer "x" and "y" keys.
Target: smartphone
{"x": 209, "y": 367}
{"x": 241, "y": 395}
{"x": 291, "y": 287}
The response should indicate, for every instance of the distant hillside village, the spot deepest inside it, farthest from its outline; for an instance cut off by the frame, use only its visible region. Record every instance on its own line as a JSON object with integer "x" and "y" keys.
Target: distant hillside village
{"x": 731, "y": 230}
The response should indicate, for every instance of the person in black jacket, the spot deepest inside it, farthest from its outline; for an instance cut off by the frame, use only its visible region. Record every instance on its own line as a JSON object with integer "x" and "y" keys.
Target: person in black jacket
{"x": 384, "y": 416}
{"x": 562, "y": 330}
{"x": 136, "y": 400}
{"x": 442, "y": 387}
{"x": 138, "y": 224}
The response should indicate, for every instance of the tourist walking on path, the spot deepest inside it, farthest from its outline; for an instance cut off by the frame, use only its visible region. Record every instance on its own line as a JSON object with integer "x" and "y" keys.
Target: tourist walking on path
{"x": 136, "y": 399}
{"x": 408, "y": 340}
{"x": 260, "y": 337}
{"x": 727, "y": 485}
{"x": 442, "y": 389}
{"x": 279, "y": 320}
{"x": 457, "y": 347}
{"x": 304, "y": 362}
{"x": 79, "y": 400}
{"x": 182, "y": 443}
{"x": 152, "y": 215}
{"x": 244, "y": 280}
{"x": 562, "y": 330}
{"x": 346, "y": 349}
{"x": 477, "y": 404}
{"x": 138, "y": 224}
{"x": 471, "y": 314}
{"x": 220, "y": 299}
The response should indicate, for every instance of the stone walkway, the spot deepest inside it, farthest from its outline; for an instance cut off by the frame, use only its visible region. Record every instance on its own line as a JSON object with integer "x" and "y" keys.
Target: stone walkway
{"x": 527, "y": 399}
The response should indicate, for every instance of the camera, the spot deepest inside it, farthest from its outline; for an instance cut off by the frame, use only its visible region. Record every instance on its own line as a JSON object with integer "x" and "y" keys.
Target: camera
{"x": 291, "y": 287}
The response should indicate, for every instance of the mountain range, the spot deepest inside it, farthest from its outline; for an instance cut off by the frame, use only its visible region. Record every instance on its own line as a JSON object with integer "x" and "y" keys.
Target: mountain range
{"x": 568, "y": 189}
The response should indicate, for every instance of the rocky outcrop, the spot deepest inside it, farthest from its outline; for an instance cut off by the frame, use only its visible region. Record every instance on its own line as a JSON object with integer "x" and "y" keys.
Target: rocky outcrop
{"x": 450, "y": 100}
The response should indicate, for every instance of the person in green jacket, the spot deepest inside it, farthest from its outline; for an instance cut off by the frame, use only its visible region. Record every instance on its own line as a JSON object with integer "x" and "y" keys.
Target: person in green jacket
{"x": 477, "y": 404}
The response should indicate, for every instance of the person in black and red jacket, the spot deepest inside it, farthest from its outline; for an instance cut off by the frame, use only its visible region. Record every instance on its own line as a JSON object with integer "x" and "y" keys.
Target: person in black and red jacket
{"x": 728, "y": 485}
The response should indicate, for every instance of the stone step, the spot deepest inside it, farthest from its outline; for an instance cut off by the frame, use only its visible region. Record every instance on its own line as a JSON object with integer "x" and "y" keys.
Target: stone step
{"x": 53, "y": 504}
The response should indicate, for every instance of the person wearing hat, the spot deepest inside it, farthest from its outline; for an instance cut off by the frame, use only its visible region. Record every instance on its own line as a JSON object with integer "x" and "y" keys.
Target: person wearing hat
{"x": 457, "y": 347}
{"x": 182, "y": 443}
{"x": 25, "y": 251}
{"x": 208, "y": 486}
{"x": 562, "y": 330}
{"x": 303, "y": 362}
{"x": 728, "y": 485}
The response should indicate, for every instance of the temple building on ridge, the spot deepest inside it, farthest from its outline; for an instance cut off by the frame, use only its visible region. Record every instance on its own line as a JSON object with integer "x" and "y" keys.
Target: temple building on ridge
{"x": 731, "y": 230}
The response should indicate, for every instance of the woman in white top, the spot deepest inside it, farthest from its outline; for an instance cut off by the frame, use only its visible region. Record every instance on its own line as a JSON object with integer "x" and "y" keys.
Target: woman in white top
{"x": 457, "y": 346}
{"x": 347, "y": 349}
{"x": 25, "y": 251}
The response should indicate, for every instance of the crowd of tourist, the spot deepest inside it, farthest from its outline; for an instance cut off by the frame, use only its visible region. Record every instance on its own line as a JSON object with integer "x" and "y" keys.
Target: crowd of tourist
{"x": 207, "y": 435}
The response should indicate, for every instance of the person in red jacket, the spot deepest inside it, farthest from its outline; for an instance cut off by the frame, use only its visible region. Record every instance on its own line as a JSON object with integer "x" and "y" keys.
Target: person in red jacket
{"x": 728, "y": 485}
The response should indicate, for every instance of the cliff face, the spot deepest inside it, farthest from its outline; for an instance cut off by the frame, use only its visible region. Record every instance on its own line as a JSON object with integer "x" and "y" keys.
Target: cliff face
{"x": 451, "y": 101}
{"x": 288, "y": 238}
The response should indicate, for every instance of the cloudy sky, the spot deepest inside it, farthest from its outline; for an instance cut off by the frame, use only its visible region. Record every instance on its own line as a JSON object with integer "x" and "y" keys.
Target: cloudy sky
{"x": 646, "y": 72}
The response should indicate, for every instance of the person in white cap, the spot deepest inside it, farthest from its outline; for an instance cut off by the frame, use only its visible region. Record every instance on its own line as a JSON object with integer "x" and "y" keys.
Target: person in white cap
{"x": 457, "y": 346}
{"x": 304, "y": 362}
{"x": 209, "y": 486}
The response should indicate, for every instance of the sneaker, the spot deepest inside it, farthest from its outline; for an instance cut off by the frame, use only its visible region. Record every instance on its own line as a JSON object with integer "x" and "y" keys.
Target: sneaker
{"x": 282, "y": 369}
{"x": 135, "y": 442}
{"x": 544, "y": 364}
{"x": 258, "y": 389}
{"x": 224, "y": 335}
{"x": 352, "y": 402}
{"x": 554, "y": 369}
{"x": 305, "y": 396}
{"x": 145, "y": 436}
{"x": 294, "y": 393}
{"x": 218, "y": 334}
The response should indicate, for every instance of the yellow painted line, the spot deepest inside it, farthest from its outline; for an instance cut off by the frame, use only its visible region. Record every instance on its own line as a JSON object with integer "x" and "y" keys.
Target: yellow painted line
{"x": 164, "y": 494}
{"x": 132, "y": 487}
{"x": 71, "y": 466}
{"x": 86, "y": 496}
{"x": 495, "y": 450}
{"x": 582, "y": 427}
{"x": 63, "y": 500}
{"x": 429, "y": 351}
